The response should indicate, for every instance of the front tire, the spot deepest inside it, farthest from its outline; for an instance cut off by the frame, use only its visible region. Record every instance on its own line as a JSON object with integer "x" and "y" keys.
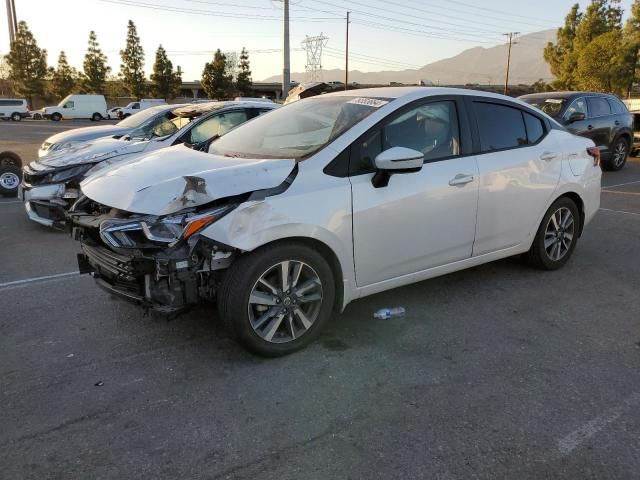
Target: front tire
{"x": 277, "y": 299}
{"x": 556, "y": 237}
{"x": 619, "y": 157}
{"x": 56, "y": 117}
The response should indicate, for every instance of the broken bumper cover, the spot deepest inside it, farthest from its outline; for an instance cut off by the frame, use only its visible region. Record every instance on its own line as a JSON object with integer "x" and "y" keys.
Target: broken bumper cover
{"x": 164, "y": 285}
{"x": 46, "y": 204}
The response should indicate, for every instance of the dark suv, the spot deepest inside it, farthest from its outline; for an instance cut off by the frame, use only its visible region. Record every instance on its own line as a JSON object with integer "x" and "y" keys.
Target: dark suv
{"x": 602, "y": 118}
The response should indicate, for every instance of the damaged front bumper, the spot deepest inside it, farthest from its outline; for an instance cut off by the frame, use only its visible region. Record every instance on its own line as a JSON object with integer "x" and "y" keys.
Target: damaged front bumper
{"x": 166, "y": 280}
{"x": 46, "y": 204}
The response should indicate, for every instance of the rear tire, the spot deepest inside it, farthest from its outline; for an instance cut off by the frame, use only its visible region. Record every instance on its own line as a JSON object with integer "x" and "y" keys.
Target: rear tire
{"x": 556, "y": 237}
{"x": 10, "y": 178}
{"x": 619, "y": 156}
{"x": 295, "y": 310}
{"x": 96, "y": 117}
{"x": 56, "y": 117}
{"x": 16, "y": 117}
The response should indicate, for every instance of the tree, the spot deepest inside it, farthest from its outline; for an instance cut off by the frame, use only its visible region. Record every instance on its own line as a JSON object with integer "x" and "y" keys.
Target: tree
{"x": 541, "y": 86}
{"x": 216, "y": 81}
{"x": 166, "y": 82}
{"x": 243, "y": 78}
{"x": 27, "y": 64}
{"x": 95, "y": 66}
{"x": 598, "y": 67}
{"x": 560, "y": 56}
{"x": 63, "y": 77}
{"x": 132, "y": 66}
{"x": 632, "y": 44}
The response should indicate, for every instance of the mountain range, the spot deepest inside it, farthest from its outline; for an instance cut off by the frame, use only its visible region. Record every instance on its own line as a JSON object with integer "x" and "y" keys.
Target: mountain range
{"x": 476, "y": 65}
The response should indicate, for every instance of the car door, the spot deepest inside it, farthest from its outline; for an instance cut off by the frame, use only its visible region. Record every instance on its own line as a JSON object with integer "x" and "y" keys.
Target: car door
{"x": 69, "y": 109}
{"x": 419, "y": 220}
{"x": 600, "y": 122}
{"x": 519, "y": 163}
{"x": 581, "y": 127}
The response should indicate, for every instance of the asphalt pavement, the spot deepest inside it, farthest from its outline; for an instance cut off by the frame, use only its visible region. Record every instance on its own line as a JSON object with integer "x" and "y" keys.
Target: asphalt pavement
{"x": 500, "y": 371}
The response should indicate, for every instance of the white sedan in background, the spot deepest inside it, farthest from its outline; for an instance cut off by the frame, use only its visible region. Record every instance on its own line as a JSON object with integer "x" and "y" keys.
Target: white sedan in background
{"x": 292, "y": 216}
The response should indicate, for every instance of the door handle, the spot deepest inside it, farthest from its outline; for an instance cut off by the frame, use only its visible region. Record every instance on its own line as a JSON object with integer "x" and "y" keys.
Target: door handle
{"x": 617, "y": 123}
{"x": 460, "y": 179}
{"x": 548, "y": 156}
{"x": 590, "y": 127}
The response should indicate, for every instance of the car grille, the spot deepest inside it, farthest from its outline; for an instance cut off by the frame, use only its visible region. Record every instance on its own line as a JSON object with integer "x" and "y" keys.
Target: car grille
{"x": 110, "y": 264}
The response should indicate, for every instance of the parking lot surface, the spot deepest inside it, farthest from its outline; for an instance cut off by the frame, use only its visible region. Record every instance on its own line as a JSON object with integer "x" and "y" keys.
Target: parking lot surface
{"x": 500, "y": 371}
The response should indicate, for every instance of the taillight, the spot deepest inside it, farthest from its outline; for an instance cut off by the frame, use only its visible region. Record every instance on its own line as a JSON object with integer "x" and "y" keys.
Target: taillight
{"x": 594, "y": 152}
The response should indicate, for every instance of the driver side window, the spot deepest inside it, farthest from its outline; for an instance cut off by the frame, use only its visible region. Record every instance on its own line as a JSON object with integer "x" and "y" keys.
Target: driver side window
{"x": 68, "y": 105}
{"x": 579, "y": 105}
{"x": 431, "y": 129}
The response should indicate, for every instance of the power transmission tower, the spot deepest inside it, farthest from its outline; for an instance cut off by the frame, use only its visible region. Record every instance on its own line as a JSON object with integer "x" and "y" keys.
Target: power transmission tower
{"x": 313, "y": 46}
{"x": 511, "y": 36}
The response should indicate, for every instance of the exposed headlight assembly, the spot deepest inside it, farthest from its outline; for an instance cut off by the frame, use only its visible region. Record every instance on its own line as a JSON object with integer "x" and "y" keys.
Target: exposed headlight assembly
{"x": 167, "y": 230}
{"x": 69, "y": 173}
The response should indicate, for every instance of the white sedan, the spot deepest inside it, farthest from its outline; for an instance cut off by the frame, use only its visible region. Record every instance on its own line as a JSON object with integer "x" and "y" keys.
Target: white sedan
{"x": 292, "y": 216}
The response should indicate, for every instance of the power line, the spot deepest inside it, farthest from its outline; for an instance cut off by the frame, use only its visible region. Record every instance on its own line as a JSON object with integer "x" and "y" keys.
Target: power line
{"x": 136, "y": 3}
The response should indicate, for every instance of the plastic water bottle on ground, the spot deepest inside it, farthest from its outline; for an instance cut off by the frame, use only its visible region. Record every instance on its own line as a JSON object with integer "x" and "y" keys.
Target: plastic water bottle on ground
{"x": 387, "y": 313}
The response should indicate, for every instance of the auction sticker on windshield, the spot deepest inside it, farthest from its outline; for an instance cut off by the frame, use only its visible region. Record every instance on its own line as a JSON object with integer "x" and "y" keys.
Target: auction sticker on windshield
{"x": 370, "y": 102}
{"x": 553, "y": 100}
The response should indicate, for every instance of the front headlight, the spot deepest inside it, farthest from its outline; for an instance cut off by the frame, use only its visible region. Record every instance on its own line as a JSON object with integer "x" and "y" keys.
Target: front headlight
{"x": 69, "y": 173}
{"x": 167, "y": 230}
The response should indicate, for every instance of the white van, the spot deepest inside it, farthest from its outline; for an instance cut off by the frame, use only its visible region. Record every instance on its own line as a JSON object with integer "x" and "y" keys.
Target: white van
{"x": 13, "y": 108}
{"x": 78, "y": 106}
{"x": 135, "y": 107}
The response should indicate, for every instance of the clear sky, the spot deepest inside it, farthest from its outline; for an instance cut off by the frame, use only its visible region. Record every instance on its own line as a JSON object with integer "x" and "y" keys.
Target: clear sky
{"x": 385, "y": 34}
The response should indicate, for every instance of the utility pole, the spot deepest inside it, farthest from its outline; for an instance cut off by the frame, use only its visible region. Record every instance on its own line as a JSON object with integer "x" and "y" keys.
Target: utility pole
{"x": 346, "y": 57}
{"x": 11, "y": 18}
{"x": 286, "y": 70}
{"x": 511, "y": 35}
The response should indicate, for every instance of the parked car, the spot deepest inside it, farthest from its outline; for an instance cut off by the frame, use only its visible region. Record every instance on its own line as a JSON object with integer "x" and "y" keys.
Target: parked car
{"x": 13, "y": 109}
{"x": 72, "y": 107}
{"x": 253, "y": 99}
{"x": 50, "y": 184}
{"x": 10, "y": 173}
{"x": 292, "y": 216}
{"x": 600, "y": 117}
{"x": 135, "y": 107}
{"x": 114, "y": 113}
{"x": 63, "y": 140}
{"x": 36, "y": 115}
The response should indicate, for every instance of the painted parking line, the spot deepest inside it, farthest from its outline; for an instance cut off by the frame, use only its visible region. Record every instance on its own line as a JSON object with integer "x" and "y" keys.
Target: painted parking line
{"x": 621, "y": 184}
{"x": 620, "y": 211}
{"x": 11, "y": 202}
{"x": 27, "y": 281}
{"x": 622, "y": 193}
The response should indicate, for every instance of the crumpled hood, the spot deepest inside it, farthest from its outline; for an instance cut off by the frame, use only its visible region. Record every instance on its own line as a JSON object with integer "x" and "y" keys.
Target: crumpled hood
{"x": 89, "y": 152}
{"x": 85, "y": 134}
{"x": 172, "y": 179}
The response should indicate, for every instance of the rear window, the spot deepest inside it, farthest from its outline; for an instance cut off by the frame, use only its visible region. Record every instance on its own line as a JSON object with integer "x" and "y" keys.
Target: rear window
{"x": 617, "y": 106}
{"x": 11, "y": 103}
{"x": 598, "y": 106}
{"x": 499, "y": 126}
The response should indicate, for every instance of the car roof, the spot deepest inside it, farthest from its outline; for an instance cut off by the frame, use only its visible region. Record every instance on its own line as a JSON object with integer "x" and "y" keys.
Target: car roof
{"x": 566, "y": 95}
{"x": 414, "y": 92}
{"x": 197, "y": 109}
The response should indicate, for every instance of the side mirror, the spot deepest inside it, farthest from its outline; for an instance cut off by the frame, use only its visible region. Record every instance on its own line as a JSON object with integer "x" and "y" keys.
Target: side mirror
{"x": 396, "y": 160}
{"x": 576, "y": 117}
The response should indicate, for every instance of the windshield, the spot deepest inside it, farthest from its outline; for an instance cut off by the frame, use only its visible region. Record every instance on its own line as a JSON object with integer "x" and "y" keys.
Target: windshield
{"x": 551, "y": 106}
{"x": 298, "y": 129}
{"x": 137, "y": 119}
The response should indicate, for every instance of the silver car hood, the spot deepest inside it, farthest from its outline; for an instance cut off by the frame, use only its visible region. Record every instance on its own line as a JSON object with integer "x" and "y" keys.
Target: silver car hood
{"x": 89, "y": 152}
{"x": 85, "y": 134}
{"x": 169, "y": 180}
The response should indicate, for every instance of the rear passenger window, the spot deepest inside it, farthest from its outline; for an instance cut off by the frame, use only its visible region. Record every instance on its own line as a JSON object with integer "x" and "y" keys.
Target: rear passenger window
{"x": 499, "y": 126}
{"x": 535, "y": 128}
{"x": 598, "y": 107}
{"x": 617, "y": 106}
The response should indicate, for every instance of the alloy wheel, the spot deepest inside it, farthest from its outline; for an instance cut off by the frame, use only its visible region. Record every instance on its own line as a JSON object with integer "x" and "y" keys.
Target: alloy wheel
{"x": 9, "y": 180}
{"x": 285, "y": 301}
{"x": 620, "y": 153}
{"x": 559, "y": 234}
